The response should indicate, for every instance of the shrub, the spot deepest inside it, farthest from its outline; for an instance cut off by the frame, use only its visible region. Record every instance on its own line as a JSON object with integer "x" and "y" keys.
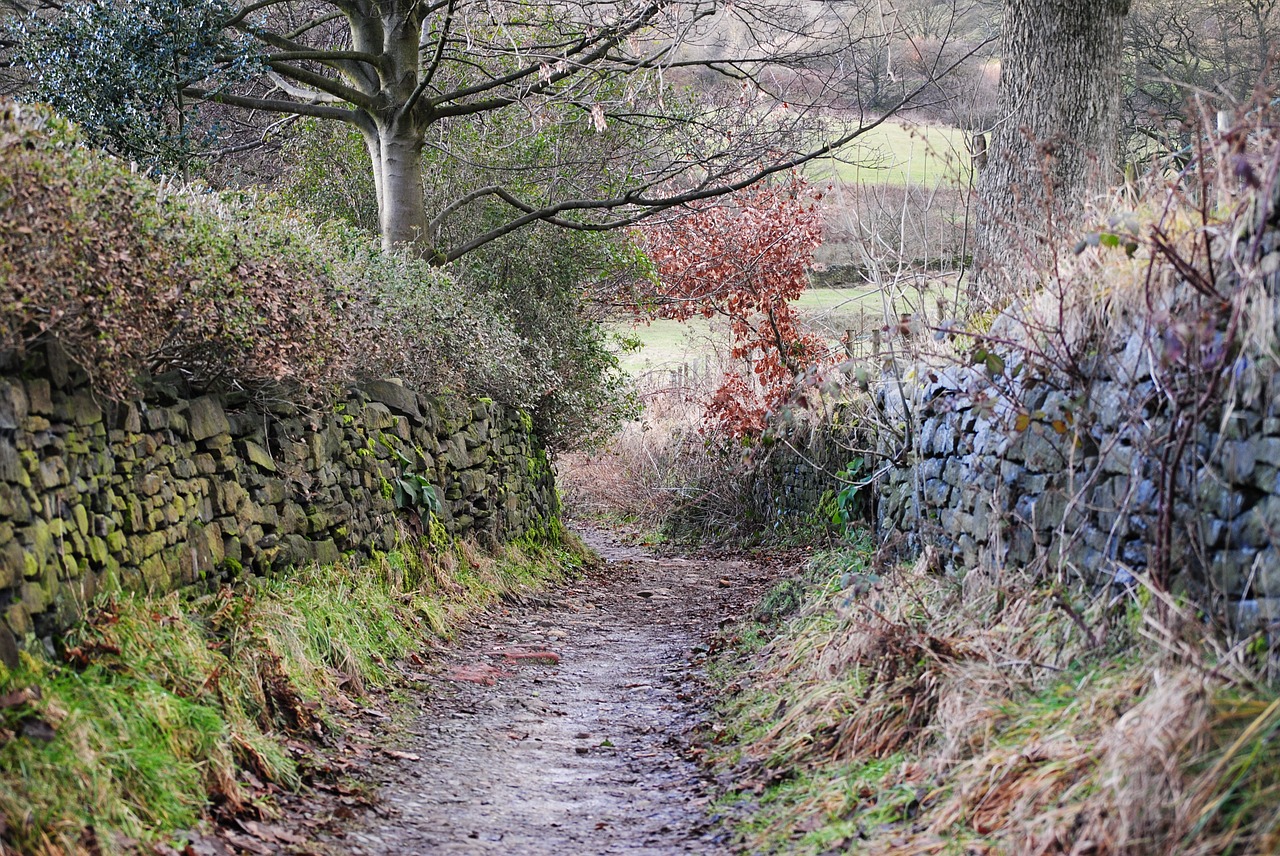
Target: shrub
{"x": 745, "y": 258}
{"x": 131, "y": 278}
{"x": 237, "y": 290}
{"x": 547, "y": 286}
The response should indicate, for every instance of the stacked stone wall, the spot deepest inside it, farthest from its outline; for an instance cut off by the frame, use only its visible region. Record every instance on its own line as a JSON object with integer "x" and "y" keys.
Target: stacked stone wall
{"x": 170, "y": 490}
{"x": 1075, "y": 481}
{"x": 792, "y": 480}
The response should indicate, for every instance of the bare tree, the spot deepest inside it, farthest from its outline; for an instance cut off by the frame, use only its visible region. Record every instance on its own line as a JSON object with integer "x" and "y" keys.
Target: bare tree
{"x": 1218, "y": 50}
{"x": 771, "y": 94}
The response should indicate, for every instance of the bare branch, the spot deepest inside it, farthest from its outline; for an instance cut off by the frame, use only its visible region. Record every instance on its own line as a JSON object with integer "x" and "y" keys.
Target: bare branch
{"x": 272, "y": 105}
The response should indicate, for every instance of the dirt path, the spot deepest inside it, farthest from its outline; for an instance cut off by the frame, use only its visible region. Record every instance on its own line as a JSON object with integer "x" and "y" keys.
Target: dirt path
{"x": 526, "y": 755}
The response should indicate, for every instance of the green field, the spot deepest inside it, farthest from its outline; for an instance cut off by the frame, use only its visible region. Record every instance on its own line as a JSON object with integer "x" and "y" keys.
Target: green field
{"x": 900, "y": 153}
{"x": 829, "y": 312}
{"x": 669, "y": 346}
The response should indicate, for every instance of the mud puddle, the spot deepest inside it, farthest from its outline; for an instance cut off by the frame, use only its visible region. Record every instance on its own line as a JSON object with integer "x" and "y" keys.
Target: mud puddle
{"x": 558, "y": 728}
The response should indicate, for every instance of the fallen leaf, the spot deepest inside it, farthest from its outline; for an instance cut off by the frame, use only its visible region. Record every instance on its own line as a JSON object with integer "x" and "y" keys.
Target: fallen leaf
{"x": 484, "y": 675}
{"x": 402, "y": 756}
{"x": 547, "y": 657}
{"x": 245, "y": 842}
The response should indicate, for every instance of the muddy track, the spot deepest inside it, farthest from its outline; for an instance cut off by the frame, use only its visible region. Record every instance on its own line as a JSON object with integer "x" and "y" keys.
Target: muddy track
{"x": 560, "y": 727}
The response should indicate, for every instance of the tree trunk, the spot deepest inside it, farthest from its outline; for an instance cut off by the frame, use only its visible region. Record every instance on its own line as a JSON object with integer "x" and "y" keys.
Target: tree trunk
{"x": 1055, "y": 146}
{"x": 397, "y": 174}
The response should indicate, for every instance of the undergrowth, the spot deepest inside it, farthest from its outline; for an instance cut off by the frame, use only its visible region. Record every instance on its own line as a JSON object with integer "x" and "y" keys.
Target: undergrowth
{"x": 904, "y": 711}
{"x": 157, "y": 713}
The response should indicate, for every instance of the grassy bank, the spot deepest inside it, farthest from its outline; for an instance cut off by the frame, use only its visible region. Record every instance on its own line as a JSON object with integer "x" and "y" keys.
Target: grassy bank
{"x": 157, "y": 713}
{"x": 903, "y": 711}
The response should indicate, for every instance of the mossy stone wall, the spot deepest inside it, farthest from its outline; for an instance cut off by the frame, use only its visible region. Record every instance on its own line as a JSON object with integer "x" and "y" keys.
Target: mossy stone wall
{"x": 171, "y": 490}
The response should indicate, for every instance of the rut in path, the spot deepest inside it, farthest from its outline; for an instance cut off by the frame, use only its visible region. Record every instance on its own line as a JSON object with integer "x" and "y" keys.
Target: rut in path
{"x": 579, "y": 757}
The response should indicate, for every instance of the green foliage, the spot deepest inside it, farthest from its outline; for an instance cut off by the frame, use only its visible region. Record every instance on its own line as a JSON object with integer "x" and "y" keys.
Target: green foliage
{"x": 117, "y": 68}
{"x": 414, "y": 490}
{"x": 848, "y": 504}
{"x": 329, "y": 175}
{"x": 548, "y": 280}
{"x": 543, "y": 285}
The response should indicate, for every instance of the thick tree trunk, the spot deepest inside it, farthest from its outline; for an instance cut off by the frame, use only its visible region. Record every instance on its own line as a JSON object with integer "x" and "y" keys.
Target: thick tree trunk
{"x": 1055, "y": 145}
{"x": 397, "y": 167}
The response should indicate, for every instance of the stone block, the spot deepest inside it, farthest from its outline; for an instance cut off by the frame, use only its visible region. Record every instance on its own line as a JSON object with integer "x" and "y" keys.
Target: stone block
{"x": 292, "y": 518}
{"x": 9, "y": 657}
{"x": 394, "y": 395}
{"x": 39, "y": 396}
{"x": 272, "y": 492}
{"x": 156, "y": 418}
{"x": 12, "y": 564}
{"x": 14, "y": 405}
{"x": 53, "y": 473}
{"x": 258, "y": 456}
{"x": 377, "y": 416}
{"x": 1257, "y": 613}
{"x": 157, "y": 576}
{"x": 1230, "y": 571}
{"x": 473, "y": 481}
{"x": 116, "y": 541}
{"x": 18, "y": 619}
{"x": 1041, "y": 451}
{"x": 325, "y": 552}
{"x": 11, "y": 467}
{"x": 937, "y": 493}
{"x": 83, "y": 408}
{"x": 35, "y": 596}
{"x": 1267, "y": 449}
{"x": 1266, "y": 570}
{"x": 207, "y": 419}
{"x": 1238, "y": 461}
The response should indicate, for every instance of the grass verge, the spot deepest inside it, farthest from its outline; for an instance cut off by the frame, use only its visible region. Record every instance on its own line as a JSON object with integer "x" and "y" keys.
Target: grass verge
{"x": 901, "y": 711}
{"x": 158, "y": 713}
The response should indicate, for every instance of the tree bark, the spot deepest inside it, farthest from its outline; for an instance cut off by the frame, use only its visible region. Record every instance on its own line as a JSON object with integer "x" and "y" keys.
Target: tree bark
{"x": 396, "y": 155}
{"x": 1055, "y": 146}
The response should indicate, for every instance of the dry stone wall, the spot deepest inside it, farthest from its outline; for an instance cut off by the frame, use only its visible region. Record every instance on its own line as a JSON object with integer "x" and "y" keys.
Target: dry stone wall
{"x": 1080, "y": 480}
{"x": 797, "y": 477}
{"x": 171, "y": 490}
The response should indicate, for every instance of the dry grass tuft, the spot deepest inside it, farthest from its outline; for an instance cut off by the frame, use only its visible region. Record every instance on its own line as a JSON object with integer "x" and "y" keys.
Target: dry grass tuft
{"x": 906, "y": 712}
{"x": 653, "y": 466}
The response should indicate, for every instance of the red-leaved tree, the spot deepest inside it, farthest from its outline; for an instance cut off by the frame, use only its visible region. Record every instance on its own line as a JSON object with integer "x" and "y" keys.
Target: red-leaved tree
{"x": 745, "y": 258}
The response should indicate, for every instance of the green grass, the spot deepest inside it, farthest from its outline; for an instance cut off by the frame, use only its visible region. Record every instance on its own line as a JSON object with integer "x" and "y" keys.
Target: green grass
{"x": 837, "y": 803}
{"x": 900, "y": 153}
{"x": 158, "y": 706}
